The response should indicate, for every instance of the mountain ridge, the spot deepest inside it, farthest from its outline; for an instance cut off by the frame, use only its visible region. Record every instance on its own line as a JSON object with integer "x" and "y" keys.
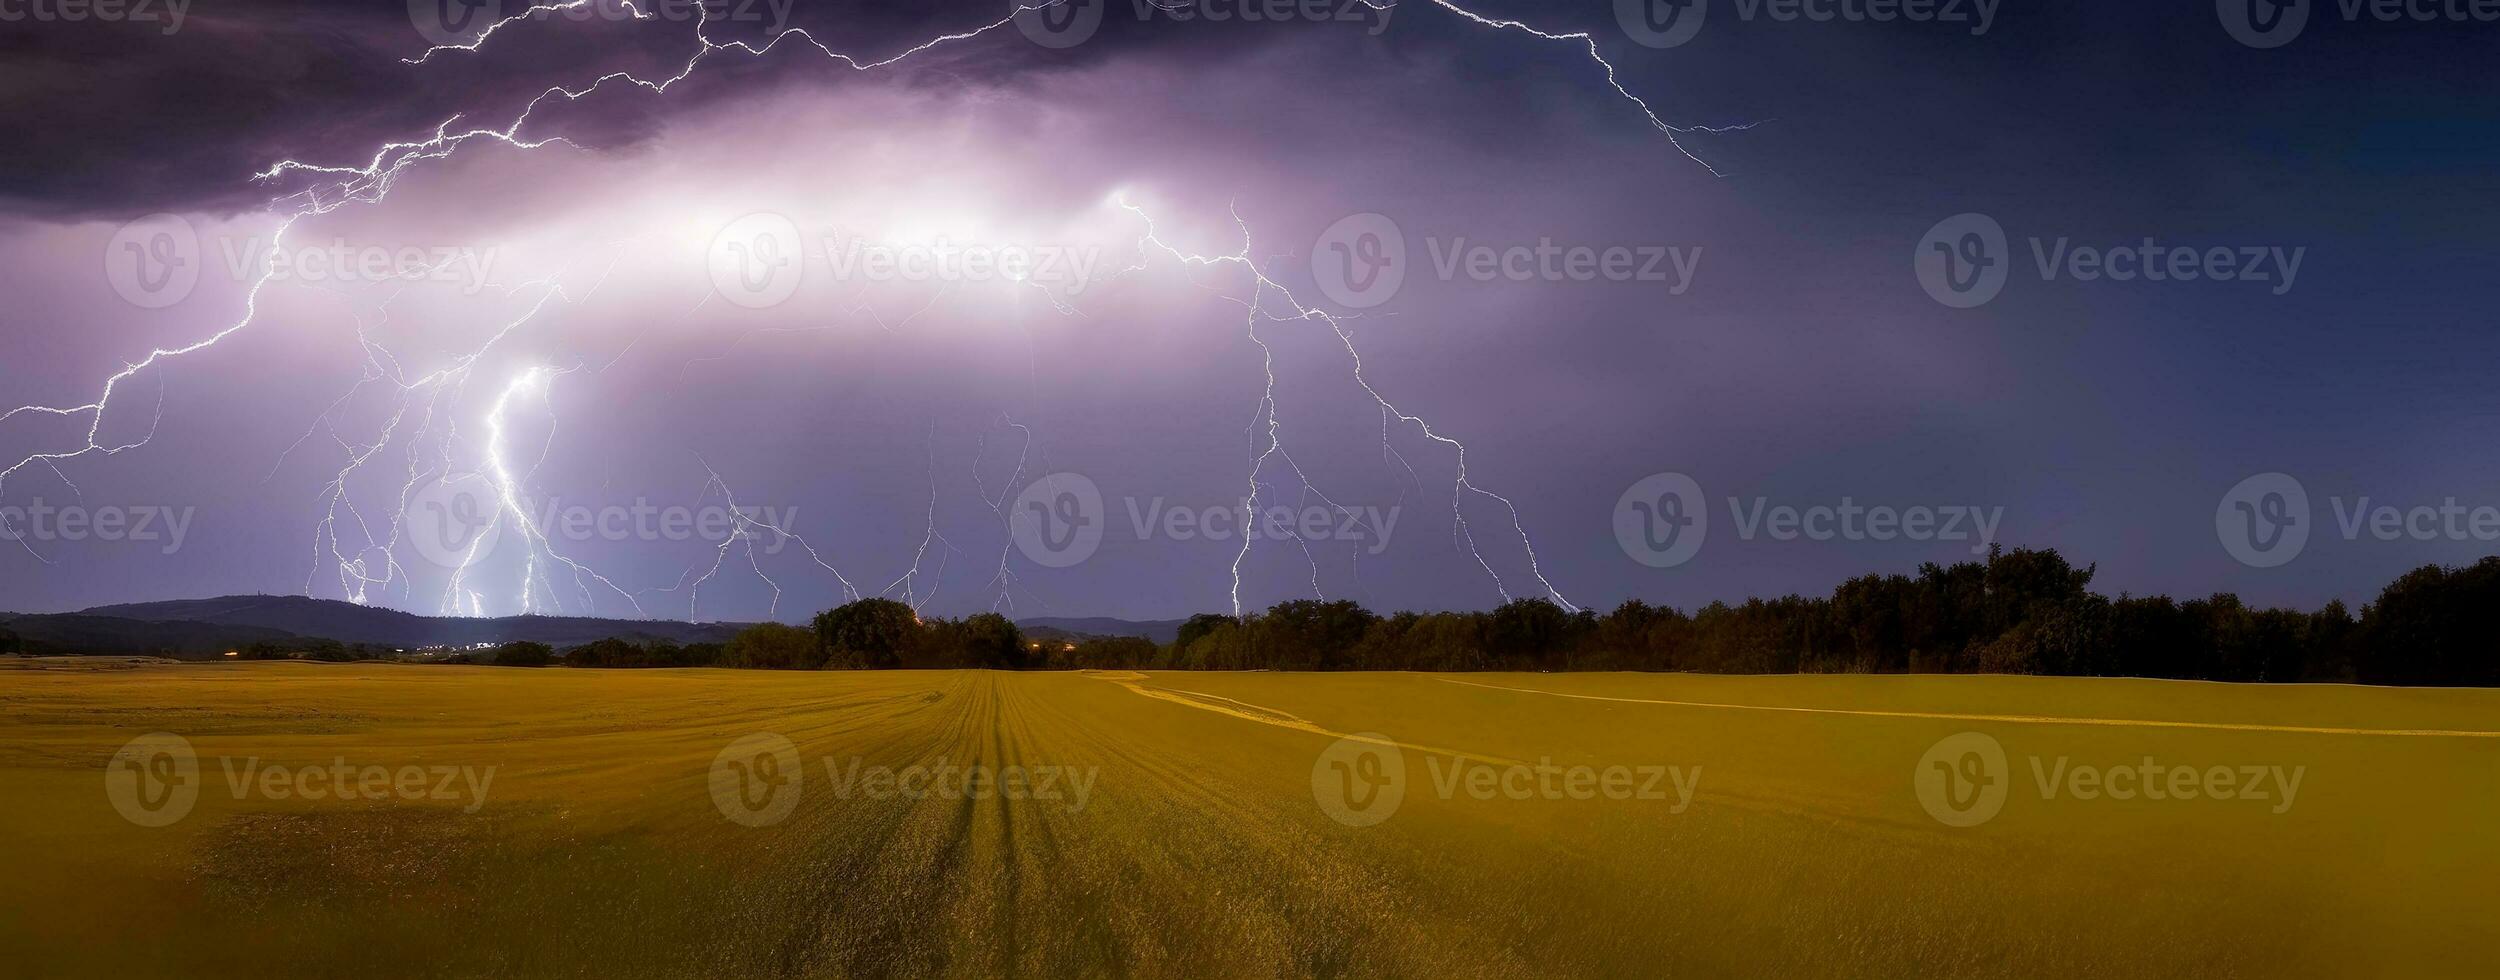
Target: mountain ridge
{"x": 208, "y": 627}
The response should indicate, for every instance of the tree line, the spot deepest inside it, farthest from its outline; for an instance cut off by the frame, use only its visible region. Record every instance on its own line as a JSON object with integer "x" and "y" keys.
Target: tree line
{"x": 2018, "y": 612}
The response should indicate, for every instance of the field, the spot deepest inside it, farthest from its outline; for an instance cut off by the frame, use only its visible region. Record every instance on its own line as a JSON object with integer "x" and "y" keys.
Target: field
{"x": 1213, "y": 824}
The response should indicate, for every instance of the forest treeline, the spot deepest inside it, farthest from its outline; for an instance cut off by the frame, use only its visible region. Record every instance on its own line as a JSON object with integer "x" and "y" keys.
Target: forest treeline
{"x": 2018, "y": 612}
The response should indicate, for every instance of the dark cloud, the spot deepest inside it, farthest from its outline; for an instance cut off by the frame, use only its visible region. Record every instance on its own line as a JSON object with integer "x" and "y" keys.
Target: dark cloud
{"x": 120, "y": 118}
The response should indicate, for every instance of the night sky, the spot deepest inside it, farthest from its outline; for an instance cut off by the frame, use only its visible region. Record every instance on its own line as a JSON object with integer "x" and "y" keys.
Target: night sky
{"x": 582, "y": 349}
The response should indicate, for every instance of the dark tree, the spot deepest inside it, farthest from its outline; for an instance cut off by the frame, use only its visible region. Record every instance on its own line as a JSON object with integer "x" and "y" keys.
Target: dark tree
{"x": 609, "y": 652}
{"x": 2435, "y": 626}
{"x": 867, "y": 633}
{"x": 617, "y": 652}
{"x": 522, "y": 654}
{"x": 1312, "y": 635}
{"x": 1199, "y": 626}
{"x": 774, "y": 646}
{"x": 991, "y": 640}
{"x": 1102, "y": 653}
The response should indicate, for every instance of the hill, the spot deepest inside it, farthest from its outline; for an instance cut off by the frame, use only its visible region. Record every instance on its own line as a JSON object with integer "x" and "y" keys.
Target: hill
{"x": 208, "y": 627}
{"x": 64, "y": 634}
{"x": 203, "y": 628}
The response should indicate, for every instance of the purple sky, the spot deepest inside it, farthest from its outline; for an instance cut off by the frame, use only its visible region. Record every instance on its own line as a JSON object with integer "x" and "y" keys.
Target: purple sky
{"x": 575, "y": 344}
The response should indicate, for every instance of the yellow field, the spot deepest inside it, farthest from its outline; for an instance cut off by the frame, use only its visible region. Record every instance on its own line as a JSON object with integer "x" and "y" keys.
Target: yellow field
{"x": 1209, "y": 840}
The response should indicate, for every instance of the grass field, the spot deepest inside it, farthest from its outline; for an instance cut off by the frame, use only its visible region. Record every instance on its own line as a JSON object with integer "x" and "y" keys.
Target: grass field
{"x": 1788, "y": 836}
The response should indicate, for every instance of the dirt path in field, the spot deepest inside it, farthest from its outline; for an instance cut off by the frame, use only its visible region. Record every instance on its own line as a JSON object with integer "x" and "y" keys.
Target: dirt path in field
{"x": 1166, "y": 864}
{"x": 2211, "y": 726}
{"x": 1233, "y": 708}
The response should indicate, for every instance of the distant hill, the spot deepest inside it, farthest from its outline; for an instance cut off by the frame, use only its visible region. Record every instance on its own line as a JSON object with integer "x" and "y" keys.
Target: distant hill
{"x": 1058, "y": 627}
{"x": 207, "y": 627}
{"x": 348, "y": 622}
{"x": 203, "y": 628}
{"x": 76, "y": 633}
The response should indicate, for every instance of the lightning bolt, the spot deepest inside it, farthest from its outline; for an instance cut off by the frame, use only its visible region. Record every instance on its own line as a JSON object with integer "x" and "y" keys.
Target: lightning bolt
{"x": 367, "y": 571}
{"x": 1269, "y": 431}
